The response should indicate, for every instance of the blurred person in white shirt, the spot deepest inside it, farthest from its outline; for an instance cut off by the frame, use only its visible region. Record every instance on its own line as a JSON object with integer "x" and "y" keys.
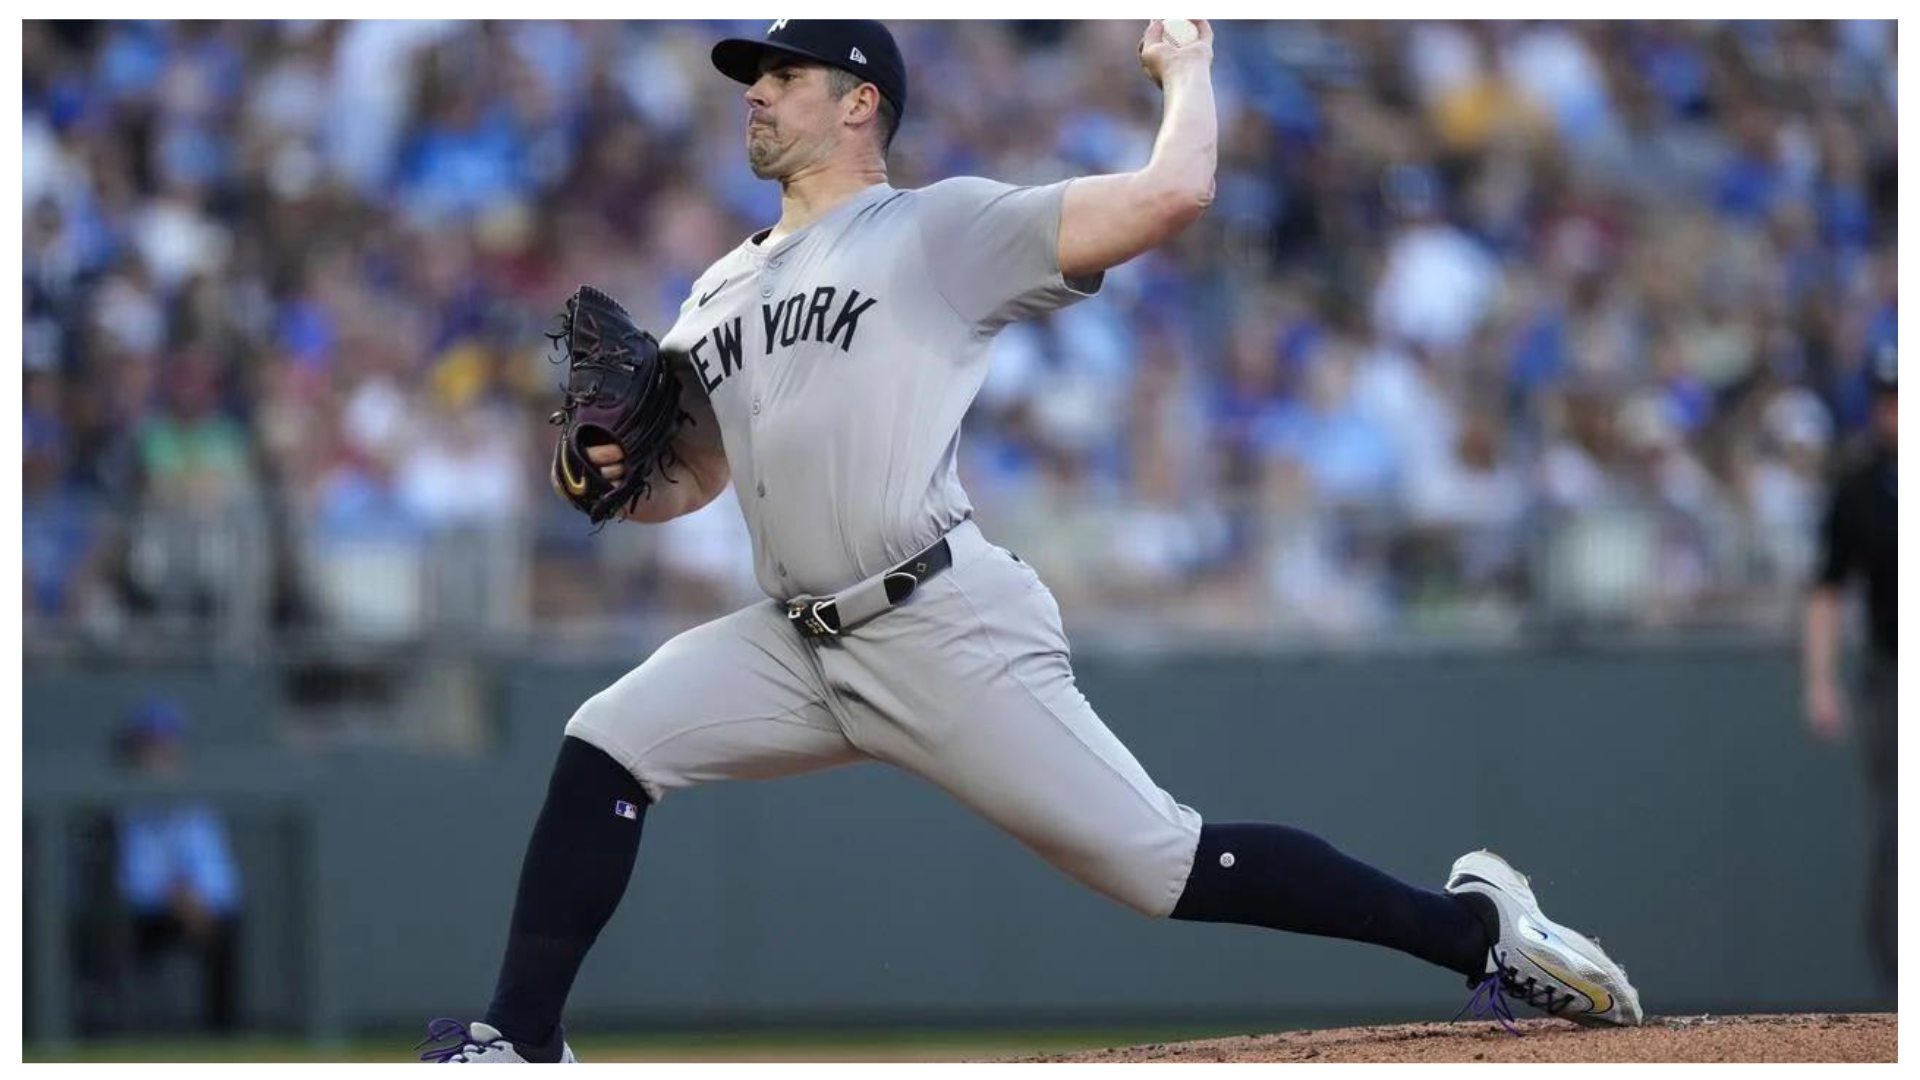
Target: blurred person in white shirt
{"x": 1438, "y": 282}
{"x": 1785, "y": 487}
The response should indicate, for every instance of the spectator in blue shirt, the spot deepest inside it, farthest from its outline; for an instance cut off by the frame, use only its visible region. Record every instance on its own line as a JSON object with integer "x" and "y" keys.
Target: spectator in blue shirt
{"x": 176, "y": 871}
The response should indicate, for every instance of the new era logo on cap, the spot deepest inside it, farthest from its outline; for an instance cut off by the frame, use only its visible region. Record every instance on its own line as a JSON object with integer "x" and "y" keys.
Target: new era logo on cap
{"x": 625, "y": 809}
{"x": 862, "y": 46}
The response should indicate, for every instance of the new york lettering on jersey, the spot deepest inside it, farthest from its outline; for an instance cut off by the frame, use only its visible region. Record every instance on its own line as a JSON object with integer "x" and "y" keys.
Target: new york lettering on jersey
{"x": 825, "y": 313}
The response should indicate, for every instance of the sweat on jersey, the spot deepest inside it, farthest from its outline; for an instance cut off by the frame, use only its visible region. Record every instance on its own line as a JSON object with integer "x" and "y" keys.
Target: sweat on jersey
{"x": 839, "y": 362}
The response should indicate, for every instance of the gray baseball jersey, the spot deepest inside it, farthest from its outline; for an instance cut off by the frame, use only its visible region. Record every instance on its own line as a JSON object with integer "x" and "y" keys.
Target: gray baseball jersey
{"x": 835, "y": 367}
{"x": 840, "y": 361}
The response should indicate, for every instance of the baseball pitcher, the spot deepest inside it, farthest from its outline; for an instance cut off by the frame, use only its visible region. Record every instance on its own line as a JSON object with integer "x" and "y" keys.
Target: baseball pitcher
{"x": 822, "y": 367}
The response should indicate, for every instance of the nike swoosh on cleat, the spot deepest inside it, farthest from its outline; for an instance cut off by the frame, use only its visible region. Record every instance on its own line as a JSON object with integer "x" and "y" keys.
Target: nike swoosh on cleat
{"x": 1602, "y": 1001}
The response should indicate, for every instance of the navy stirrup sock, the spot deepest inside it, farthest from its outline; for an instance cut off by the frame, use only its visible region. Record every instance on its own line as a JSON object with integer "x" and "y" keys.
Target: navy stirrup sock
{"x": 576, "y": 869}
{"x": 1286, "y": 879}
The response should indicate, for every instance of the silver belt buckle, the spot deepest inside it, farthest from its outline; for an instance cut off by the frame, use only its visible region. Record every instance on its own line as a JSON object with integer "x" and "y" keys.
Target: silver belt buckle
{"x": 804, "y": 613}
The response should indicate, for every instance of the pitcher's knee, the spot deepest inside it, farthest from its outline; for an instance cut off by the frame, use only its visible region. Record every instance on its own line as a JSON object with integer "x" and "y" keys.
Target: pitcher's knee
{"x": 1147, "y": 875}
{"x": 596, "y": 723}
{"x": 1152, "y": 899}
{"x": 1148, "y": 891}
{"x": 595, "y": 720}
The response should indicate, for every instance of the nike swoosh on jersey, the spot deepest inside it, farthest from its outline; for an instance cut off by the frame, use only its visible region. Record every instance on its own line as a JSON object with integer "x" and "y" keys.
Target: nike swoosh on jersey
{"x": 714, "y": 293}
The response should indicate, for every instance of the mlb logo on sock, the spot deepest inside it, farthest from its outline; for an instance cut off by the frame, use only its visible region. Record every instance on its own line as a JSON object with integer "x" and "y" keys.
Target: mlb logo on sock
{"x": 626, "y": 809}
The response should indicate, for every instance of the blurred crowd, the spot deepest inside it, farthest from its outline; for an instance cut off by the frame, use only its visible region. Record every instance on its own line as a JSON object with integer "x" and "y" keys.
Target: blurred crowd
{"x": 1491, "y": 324}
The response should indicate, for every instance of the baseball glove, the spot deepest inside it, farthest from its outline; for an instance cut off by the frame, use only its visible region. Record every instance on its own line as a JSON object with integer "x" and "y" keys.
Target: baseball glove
{"x": 620, "y": 389}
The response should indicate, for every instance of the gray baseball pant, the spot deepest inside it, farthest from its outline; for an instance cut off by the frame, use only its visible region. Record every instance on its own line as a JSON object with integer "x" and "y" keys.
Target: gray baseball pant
{"x": 968, "y": 684}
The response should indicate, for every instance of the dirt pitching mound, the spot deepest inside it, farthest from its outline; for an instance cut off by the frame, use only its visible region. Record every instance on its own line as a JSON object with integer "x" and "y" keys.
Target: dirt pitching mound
{"x": 1834, "y": 1037}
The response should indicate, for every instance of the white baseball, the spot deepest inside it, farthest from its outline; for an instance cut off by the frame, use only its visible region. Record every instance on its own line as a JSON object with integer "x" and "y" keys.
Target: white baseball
{"x": 1180, "y": 31}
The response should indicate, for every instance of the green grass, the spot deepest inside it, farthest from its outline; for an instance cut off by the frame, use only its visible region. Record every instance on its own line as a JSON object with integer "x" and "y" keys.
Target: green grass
{"x": 782, "y": 1045}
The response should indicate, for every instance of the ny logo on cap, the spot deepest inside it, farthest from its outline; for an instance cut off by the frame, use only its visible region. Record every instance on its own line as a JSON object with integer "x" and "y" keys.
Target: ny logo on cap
{"x": 778, "y": 25}
{"x": 859, "y": 57}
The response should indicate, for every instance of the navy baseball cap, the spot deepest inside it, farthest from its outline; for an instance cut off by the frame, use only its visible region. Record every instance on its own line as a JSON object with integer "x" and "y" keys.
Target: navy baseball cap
{"x": 861, "y": 46}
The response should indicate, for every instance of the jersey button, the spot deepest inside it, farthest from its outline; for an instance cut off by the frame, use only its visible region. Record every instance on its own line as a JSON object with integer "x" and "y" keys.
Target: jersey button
{"x": 762, "y": 489}
{"x": 766, "y": 290}
{"x": 756, "y": 406}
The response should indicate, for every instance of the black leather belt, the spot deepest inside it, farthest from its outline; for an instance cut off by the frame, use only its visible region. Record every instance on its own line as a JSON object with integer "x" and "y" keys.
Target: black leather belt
{"x": 830, "y": 616}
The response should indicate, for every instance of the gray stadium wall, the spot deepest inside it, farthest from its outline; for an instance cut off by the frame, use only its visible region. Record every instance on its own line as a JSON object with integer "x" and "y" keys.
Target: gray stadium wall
{"x": 1665, "y": 799}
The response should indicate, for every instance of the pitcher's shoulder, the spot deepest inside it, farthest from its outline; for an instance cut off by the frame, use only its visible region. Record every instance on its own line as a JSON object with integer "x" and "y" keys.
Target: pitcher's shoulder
{"x": 961, "y": 189}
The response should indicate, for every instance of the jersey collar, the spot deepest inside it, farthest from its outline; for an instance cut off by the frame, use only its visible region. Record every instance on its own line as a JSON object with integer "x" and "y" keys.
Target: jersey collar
{"x": 759, "y": 253}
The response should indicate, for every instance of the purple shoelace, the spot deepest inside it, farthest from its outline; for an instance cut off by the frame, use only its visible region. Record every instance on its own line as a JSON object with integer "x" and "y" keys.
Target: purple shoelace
{"x": 1489, "y": 1001}
{"x": 440, "y": 1029}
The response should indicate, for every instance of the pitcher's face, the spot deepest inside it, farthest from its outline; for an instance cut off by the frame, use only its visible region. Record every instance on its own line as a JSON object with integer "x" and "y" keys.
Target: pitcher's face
{"x": 793, "y": 119}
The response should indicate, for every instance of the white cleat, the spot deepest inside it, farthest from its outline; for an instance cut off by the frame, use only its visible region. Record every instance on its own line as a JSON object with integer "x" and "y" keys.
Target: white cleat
{"x": 477, "y": 1044}
{"x": 1559, "y": 971}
